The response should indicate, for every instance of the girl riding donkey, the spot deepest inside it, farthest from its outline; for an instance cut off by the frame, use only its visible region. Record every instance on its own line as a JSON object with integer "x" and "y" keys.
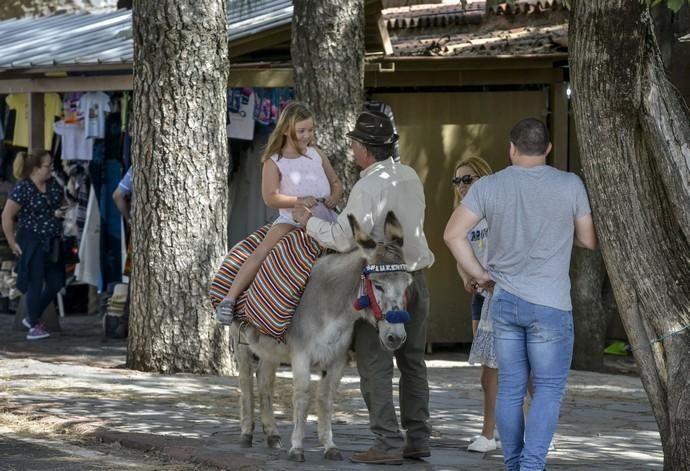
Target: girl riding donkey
{"x": 295, "y": 173}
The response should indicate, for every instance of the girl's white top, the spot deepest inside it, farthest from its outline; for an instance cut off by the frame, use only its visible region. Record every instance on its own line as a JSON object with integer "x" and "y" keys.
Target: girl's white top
{"x": 304, "y": 176}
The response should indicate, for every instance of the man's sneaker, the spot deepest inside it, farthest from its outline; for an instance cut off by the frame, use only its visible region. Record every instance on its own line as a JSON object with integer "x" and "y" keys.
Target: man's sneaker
{"x": 37, "y": 332}
{"x": 25, "y": 323}
{"x": 225, "y": 311}
{"x": 482, "y": 445}
{"x": 376, "y": 456}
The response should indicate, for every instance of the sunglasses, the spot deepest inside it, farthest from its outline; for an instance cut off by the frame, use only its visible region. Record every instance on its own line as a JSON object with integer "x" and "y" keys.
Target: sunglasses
{"x": 464, "y": 180}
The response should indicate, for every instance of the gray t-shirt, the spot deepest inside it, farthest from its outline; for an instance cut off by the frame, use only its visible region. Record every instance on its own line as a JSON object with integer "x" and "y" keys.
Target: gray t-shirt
{"x": 531, "y": 212}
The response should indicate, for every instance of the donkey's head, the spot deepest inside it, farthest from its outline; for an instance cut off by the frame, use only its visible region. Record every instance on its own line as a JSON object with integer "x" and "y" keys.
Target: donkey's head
{"x": 385, "y": 281}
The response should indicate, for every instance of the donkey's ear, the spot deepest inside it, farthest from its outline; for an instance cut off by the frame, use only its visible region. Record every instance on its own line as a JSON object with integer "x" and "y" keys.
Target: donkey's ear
{"x": 361, "y": 238}
{"x": 392, "y": 229}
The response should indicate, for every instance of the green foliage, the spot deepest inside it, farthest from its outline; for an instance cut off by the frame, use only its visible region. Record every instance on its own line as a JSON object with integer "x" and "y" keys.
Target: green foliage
{"x": 674, "y": 5}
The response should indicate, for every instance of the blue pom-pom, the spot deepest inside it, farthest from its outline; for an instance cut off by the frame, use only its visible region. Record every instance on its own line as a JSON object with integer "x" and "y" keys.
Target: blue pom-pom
{"x": 361, "y": 303}
{"x": 397, "y": 317}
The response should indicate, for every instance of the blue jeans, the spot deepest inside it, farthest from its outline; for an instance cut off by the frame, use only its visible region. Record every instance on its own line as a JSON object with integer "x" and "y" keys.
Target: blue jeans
{"x": 536, "y": 339}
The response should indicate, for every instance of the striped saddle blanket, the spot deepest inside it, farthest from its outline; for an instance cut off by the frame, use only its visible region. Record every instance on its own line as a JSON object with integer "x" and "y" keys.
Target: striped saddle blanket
{"x": 271, "y": 300}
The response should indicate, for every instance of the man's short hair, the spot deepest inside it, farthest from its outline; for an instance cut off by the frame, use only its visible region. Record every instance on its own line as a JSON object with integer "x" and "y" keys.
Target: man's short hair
{"x": 380, "y": 153}
{"x": 530, "y": 136}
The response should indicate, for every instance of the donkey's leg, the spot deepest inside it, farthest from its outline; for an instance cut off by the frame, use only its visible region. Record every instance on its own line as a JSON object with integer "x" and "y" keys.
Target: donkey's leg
{"x": 245, "y": 361}
{"x": 266, "y": 376}
{"x": 328, "y": 386}
{"x": 300, "y": 405}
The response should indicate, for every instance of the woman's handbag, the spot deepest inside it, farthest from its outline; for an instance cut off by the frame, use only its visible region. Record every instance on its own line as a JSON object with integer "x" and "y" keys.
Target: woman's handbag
{"x": 70, "y": 250}
{"x": 64, "y": 250}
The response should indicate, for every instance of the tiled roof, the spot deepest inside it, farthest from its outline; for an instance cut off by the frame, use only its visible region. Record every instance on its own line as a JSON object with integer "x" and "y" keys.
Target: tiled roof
{"x": 106, "y": 38}
{"x": 523, "y": 41}
{"x": 430, "y": 15}
{"x": 470, "y": 12}
{"x": 467, "y": 29}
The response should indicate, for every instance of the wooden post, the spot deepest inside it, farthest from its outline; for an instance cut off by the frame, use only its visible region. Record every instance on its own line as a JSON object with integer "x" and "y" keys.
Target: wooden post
{"x": 36, "y": 121}
{"x": 559, "y": 126}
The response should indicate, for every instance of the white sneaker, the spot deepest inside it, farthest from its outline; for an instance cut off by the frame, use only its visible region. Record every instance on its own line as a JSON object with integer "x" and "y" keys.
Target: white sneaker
{"x": 482, "y": 445}
{"x": 25, "y": 323}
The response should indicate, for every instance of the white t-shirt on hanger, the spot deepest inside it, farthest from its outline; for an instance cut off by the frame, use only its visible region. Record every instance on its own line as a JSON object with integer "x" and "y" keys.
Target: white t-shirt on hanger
{"x": 75, "y": 145}
{"x": 93, "y": 107}
{"x": 242, "y": 123}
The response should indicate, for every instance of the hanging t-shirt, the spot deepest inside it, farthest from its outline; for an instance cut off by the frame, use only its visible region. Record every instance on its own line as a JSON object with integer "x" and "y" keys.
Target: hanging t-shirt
{"x": 52, "y": 108}
{"x": 269, "y": 103}
{"x": 93, "y": 106}
{"x": 75, "y": 145}
{"x": 241, "y": 114}
{"x": 70, "y": 108}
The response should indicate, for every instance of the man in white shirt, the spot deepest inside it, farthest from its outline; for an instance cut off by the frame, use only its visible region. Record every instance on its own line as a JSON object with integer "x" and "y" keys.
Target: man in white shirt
{"x": 386, "y": 185}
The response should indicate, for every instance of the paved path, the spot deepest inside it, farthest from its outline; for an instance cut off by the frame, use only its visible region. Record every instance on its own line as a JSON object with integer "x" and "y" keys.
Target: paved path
{"x": 606, "y": 422}
{"x": 20, "y": 453}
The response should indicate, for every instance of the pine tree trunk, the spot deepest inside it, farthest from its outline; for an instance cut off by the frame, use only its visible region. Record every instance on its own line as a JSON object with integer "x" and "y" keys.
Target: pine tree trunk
{"x": 180, "y": 184}
{"x": 328, "y": 59}
{"x": 634, "y": 136}
{"x": 590, "y": 318}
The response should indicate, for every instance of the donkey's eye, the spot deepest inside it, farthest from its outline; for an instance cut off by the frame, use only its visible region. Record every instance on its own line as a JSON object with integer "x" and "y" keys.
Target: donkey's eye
{"x": 378, "y": 288}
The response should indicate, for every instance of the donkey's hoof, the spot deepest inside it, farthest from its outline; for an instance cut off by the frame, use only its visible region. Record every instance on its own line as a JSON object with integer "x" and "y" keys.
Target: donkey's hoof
{"x": 333, "y": 454}
{"x": 296, "y": 454}
{"x": 273, "y": 441}
{"x": 246, "y": 440}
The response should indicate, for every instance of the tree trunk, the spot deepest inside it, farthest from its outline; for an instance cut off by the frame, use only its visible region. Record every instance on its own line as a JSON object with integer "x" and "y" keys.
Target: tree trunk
{"x": 668, "y": 27}
{"x": 25, "y": 8}
{"x": 590, "y": 318}
{"x": 180, "y": 184}
{"x": 634, "y": 136}
{"x": 328, "y": 59}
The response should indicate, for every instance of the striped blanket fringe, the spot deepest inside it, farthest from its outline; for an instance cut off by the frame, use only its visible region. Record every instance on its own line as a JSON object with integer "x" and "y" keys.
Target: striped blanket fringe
{"x": 271, "y": 300}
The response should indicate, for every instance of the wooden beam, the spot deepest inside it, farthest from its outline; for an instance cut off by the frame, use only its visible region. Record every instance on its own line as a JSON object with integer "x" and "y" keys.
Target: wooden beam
{"x": 261, "y": 78}
{"x": 36, "y": 120}
{"x": 459, "y": 78}
{"x": 385, "y": 37}
{"x": 437, "y": 63}
{"x": 67, "y": 84}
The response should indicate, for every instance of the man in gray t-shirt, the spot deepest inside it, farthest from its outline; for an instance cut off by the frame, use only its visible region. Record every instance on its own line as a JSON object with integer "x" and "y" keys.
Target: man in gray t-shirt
{"x": 535, "y": 213}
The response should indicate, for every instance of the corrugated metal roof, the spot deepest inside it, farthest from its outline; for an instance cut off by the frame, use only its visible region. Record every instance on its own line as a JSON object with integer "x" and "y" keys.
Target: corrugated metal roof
{"x": 247, "y": 17}
{"x": 80, "y": 38}
{"x": 106, "y": 38}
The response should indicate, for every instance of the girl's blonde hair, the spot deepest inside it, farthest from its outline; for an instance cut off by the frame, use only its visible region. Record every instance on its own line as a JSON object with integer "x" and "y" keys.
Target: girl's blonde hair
{"x": 26, "y": 162}
{"x": 478, "y": 165}
{"x": 293, "y": 113}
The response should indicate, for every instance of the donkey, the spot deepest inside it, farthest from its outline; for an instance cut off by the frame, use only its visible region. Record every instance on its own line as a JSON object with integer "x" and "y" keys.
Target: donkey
{"x": 321, "y": 333}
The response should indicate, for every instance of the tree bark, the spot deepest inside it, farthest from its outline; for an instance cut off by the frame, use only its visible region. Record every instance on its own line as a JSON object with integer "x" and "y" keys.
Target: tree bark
{"x": 588, "y": 275}
{"x": 180, "y": 184}
{"x": 328, "y": 59}
{"x": 634, "y": 136}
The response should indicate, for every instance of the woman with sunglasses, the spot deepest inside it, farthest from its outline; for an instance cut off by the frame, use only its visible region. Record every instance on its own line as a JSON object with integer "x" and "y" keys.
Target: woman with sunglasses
{"x": 468, "y": 171}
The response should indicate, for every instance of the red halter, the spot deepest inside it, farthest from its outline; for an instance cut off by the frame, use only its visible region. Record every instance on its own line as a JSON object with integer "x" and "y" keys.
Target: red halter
{"x": 367, "y": 296}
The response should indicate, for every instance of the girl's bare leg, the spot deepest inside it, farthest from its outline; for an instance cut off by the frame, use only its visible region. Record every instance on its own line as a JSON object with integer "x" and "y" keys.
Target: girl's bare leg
{"x": 251, "y": 266}
{"x": 489, "y": 379}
